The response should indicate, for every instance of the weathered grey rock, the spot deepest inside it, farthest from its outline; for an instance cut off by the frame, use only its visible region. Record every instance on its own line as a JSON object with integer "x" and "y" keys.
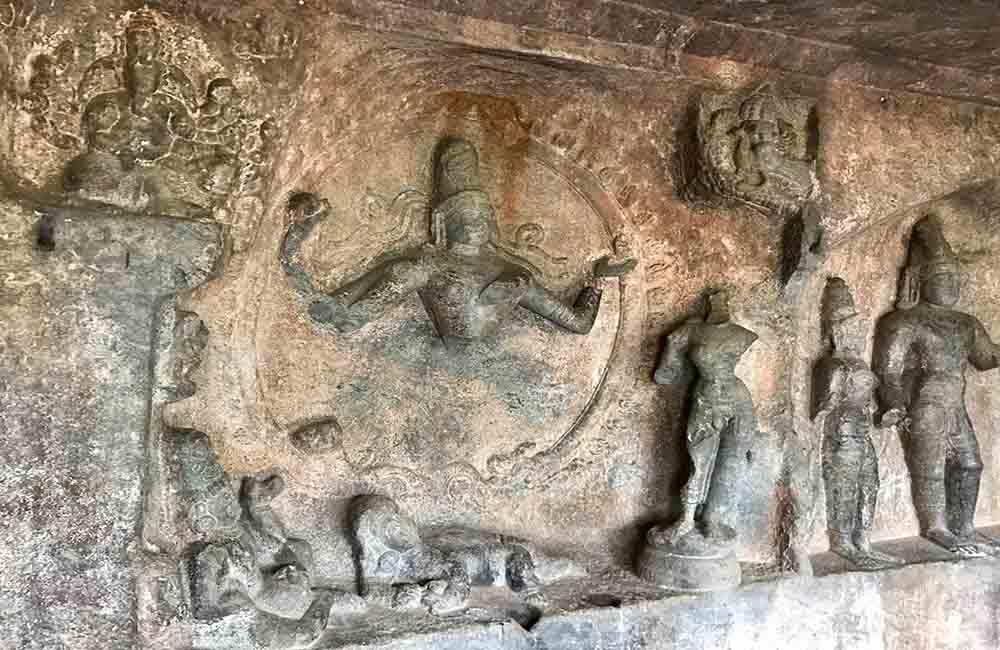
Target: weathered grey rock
{"x": 128, "y": 424}
{"x": 73, "y": 435}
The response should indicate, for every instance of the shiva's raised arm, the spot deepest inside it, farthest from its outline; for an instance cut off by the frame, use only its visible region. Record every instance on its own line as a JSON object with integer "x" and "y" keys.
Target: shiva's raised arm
{"x": 365, "y": 299}
{"x": 360, "y": 300}
{"x": 306, "y": 211}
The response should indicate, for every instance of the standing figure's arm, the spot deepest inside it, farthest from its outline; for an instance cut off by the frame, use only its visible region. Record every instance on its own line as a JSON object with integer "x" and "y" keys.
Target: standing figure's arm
{"x": 827, "y": 385}
{"x": 893, "y": 344}
{"x": 578, "y": 318}
{"x": 985, "y": 354}
{"x": 674, "y": 365}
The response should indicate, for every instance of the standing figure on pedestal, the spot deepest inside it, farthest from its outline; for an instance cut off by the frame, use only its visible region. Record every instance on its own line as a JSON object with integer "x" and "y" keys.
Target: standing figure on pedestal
{"x": 922, "y": 351}
{"x": 694, "y": 552}
{"x": 468, "y": 285}
{"x": 844, "y": 403}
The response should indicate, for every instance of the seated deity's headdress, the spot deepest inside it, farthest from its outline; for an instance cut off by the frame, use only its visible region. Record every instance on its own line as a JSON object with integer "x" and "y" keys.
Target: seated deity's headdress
{"x": 760, "y": 106}
{"x": 141, "y": 22}
{"x": 460, "y": 200}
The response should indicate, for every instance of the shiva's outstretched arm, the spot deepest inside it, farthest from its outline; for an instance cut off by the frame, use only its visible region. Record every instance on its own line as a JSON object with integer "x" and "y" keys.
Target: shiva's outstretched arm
{"x": 359, "y": 301}
{"x": 366, "y": 298}
{"x": 578, "y": 318}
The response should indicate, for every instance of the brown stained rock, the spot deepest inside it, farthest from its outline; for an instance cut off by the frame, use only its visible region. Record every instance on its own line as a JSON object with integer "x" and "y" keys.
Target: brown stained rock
{"x": 584, "y": 115}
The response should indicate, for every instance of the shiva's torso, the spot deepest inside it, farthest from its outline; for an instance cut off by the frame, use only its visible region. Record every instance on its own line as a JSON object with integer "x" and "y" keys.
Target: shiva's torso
{"x": 462, "y": 299}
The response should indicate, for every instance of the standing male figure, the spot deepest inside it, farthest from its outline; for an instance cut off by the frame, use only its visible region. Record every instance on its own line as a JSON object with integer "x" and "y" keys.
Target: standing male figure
{"x": 921, "y": 355}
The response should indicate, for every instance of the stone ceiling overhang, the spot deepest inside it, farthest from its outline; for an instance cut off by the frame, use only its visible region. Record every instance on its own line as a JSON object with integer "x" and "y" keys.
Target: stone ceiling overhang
{"x": 922, "y": 47}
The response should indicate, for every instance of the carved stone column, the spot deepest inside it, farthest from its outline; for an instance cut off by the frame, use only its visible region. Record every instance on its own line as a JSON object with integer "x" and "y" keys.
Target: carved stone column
{"x": 75, "y": 386}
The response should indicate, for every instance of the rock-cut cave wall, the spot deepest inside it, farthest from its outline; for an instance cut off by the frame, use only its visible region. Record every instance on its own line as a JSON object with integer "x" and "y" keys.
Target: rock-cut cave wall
{"x": 184, "y": 182}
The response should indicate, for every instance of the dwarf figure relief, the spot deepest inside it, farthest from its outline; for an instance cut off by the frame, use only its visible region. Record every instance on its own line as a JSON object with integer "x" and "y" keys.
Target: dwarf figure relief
{"x": 467, "y": 283}
{"x": 264, "y": 569}
{"x": 436, "y": 572}
{"x": 720, "y": 432}
{"x": 922, "y": 350}
{"x": 754, "y": 148}
{"x": 844, "y": 403}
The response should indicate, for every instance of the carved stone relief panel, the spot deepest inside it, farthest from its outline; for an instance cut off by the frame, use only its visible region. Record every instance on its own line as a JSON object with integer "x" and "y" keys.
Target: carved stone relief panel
{"x": 393, "y": 410}
{"x": 467, "y": 281}
{"x": 757, "y": 147}
{"x": 387, "y": 407}
{"x": 884, "y": 278}
{"x": 443, "y": 403}
{"x": 144, "y": 114}
{"x": 296, "y": 472}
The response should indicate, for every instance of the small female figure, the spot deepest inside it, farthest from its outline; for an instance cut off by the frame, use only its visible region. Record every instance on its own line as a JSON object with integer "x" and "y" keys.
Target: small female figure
{"x": 844, "y": 398}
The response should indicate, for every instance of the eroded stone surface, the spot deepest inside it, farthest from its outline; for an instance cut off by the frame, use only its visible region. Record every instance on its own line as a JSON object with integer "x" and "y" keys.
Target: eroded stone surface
{"x": 866, "y": 610}
{"x": 584, "y": 116}
{"x": 76, "y": 381}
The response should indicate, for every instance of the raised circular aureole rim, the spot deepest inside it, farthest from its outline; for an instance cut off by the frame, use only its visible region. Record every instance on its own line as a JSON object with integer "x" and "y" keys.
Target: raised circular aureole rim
{"x": 631, "y": 309}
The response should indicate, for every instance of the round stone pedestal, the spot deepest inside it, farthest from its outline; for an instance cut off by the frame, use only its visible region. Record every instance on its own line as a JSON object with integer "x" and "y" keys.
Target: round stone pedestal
{"x": 687, "y": 567}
